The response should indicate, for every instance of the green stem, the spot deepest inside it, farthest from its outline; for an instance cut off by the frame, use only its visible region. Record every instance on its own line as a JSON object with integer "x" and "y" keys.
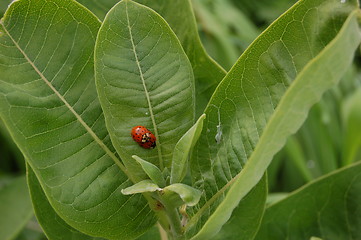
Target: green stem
{"x": 162, "y": 232}
{"x": 176, "y": 230}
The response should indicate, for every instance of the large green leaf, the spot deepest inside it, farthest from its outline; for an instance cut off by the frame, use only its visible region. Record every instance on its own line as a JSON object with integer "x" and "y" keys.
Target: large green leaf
{"x": 54, "y": 226}
{"x": 15, "y": 208}
{"x": 246, "y": 114}
{"x": 327, "y": 208}
{"x": 49, "y": 103}
{"x": 143, "y": 78}
{"x": 244, "y": 216}
{"x": 179, "y": 15}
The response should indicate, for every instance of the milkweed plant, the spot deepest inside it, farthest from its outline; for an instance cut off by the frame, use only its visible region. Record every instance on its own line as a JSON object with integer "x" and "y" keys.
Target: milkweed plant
{"x": 129, "y": 129}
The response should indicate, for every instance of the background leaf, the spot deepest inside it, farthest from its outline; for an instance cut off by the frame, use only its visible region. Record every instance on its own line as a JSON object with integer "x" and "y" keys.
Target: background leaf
{"x": 143, "y": 78}
{"x": 352, "y": 119}
{"x": 247, "y": 97}
{"x": 99, "y": 7}
{"x": 53, "y": 225}
{"x": 225, "y": 36}
{"x": 11, "y": 157}
{"x": 15, "y": 208}
{"x": 3, "y": 6}
{"x": 49, "y": 103}
{"x": 327, "y": 208}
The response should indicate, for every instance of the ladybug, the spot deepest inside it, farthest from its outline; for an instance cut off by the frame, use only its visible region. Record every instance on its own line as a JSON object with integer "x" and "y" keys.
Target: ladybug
{"x": 143, "y": 137}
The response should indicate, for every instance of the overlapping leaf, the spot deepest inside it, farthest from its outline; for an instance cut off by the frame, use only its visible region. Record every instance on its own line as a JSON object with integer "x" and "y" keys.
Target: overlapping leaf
{"x": 294, "y": 47}
{"x": 15, "y": 208}
{"x": 49, "y": 103}
{"x": 143, "y": 78}
{"x": 327, "y": 208}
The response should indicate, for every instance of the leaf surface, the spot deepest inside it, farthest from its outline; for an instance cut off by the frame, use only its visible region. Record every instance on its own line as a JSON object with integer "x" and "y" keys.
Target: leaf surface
{"x": 151, "y": 170}
{"x": 246, "y": 216}
{"x": 327, "y": 208}
{"x": 48, "y": 102}
{"x": 246, "y": 119}
{"x": 143, "y": 78}
{"x": 179, "y": 15}
{"x": 182, "y": 150}
{"x": 52, "y": 224}
{"x": 141, "y": 187}
{"x": 189, "y": 195}
{"x": 15, "y": 208}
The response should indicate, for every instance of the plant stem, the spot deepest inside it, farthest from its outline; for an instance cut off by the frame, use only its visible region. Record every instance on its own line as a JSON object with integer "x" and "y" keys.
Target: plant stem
{"x": 162, "y": 232}
{"x": 176, "y": 230}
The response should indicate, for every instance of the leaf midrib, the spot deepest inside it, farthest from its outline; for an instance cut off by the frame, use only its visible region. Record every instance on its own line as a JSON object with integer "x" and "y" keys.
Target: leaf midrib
{"x": 155, "y": 128}
{"x": 78, "y": 117}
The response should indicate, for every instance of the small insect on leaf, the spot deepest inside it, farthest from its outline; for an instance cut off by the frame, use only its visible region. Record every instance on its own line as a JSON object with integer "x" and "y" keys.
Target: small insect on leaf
{"x": 143, "y": 137}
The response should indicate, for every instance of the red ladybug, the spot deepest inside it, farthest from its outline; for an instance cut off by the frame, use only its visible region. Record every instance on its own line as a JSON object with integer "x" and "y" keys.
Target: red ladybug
{"x": 143, "y": 137}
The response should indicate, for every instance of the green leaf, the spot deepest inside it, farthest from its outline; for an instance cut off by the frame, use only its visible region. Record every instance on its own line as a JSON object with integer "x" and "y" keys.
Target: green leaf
{"x": 188, "y": 194}
{"x": 99, "y": 7}
{"x": 245, "y": 215}
{"x": 182, "y": 150}
{"x": 15, "y": 208}
{"x": 9, "y": 152}
{"x": 151, "y": 234}
{"x": 351, "y": 115}
{"x": 327, "y": 208}
{"x": 275, "y": 197}
{"x": 53, "y": 225}
{"x": 179, "y": 15}
{"x": 141, "y": 187}
{"x": 32, "y": 231}
{"x": 295, "y": 154}
{"x": 143, "y": 78}
{"x": 151, "y": 170}
{"x": 256, "y": 107}
{"x": 3, "y": 6}
{"x": 48, "y": 101}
